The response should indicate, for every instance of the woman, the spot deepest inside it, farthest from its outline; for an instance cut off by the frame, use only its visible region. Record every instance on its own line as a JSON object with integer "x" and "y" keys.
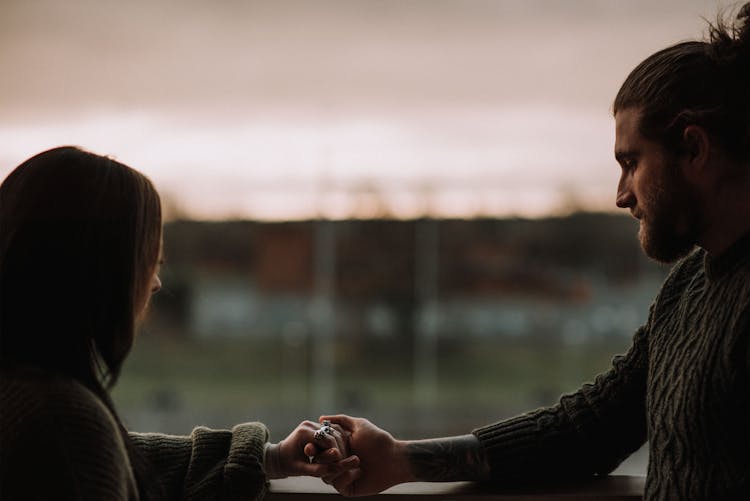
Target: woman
{"x": 80, "y": 238}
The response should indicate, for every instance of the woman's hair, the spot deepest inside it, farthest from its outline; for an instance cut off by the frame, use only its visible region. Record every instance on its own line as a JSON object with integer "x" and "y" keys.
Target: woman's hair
{"x": 697, "y": 83}
{"x": 80, "y": 236}
{"x": 79, "y": 240}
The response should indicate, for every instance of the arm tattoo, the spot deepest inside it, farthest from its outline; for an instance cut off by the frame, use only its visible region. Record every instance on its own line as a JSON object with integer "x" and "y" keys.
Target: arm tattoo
{"x": 448, "y": 459}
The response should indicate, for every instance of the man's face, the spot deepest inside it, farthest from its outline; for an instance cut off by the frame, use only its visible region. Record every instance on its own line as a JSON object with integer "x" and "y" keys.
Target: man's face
{"x": 653, "y": 187}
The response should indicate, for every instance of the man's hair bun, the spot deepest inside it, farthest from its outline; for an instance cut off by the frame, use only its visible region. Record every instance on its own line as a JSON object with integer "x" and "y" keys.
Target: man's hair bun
{"x": 742, "y": 25}
{"x": 730, "y": 40}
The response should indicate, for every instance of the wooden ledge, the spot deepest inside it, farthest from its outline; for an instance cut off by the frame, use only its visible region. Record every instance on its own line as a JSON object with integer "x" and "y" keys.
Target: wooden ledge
{"x": 608, "y": 488}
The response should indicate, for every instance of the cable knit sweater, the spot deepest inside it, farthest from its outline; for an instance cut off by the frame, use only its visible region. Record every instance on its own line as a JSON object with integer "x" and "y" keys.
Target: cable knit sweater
{"x": 684, "y": 386}
{"x": 59, "y": 441}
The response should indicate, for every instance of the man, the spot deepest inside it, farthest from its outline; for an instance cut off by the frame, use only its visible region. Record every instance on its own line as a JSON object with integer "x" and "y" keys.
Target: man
{"x": 683, "y": 144}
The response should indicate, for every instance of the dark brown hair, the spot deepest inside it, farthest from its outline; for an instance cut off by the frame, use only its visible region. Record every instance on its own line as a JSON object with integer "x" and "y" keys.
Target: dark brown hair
{"x": 79, "y": 242}
{"x": 704, "y": 83}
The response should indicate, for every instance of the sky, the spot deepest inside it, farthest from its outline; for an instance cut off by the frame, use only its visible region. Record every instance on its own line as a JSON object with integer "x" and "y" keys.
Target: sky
{"x": 336, "y": 108}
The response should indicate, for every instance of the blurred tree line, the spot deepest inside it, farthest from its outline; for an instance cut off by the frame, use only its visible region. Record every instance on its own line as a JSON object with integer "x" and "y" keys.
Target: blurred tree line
{"x": 378, "y": 261}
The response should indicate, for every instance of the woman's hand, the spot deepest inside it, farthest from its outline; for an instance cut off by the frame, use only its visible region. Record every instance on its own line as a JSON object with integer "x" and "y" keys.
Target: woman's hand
{"x": 310, "y": 449}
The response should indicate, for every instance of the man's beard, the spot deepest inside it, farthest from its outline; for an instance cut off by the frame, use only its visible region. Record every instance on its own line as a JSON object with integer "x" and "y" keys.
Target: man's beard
{"x": 661, "y": 241}
{"x": 670, "y": 223}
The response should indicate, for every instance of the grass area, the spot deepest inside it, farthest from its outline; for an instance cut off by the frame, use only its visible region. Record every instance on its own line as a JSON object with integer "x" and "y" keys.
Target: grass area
{"x": 272, "y": 380}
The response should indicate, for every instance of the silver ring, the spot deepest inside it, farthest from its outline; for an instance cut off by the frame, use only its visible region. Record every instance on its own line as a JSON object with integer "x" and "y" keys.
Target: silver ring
{"x": 319, "y": 434}
{"x": 326, "y": 429}
{"x": 326, "y": 422}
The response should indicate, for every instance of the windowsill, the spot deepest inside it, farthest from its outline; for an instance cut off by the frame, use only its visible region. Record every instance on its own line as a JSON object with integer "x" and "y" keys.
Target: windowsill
{"x": 613, "y": 487}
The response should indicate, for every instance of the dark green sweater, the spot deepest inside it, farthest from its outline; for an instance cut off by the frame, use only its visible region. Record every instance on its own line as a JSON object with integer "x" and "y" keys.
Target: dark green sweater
{"x": 59, "y": 441}
{"x": 684, "y": 386}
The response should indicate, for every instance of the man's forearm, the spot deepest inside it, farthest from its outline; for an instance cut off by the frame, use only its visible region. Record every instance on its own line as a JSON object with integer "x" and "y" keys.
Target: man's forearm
{"x": 447, "y": 459}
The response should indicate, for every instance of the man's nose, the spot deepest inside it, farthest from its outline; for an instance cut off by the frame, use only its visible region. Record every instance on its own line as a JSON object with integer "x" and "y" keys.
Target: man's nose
{"x": 625, "y": 197}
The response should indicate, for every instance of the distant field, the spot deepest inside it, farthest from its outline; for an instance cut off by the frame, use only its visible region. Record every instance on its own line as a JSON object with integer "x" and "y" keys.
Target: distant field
{"x": 170, "y": 385}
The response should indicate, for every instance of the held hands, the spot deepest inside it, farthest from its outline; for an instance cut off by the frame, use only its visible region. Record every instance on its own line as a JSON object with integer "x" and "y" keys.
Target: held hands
{"x": 292, "y": 456}
{"x": 353, "y": 455}
{"x": 381, "y": 460}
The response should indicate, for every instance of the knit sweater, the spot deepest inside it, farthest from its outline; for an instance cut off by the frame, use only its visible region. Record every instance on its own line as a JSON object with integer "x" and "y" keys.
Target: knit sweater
{"x": 684, "y": 386}
{"x": 59, "y": 441}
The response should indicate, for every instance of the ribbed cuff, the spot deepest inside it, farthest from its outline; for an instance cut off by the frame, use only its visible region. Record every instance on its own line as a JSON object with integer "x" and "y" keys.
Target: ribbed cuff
{"x": 244, "y": 477}
{"x": 508, "y": 442}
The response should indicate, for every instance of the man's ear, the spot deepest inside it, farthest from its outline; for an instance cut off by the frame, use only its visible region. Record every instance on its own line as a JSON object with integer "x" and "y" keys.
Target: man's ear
{"x": 697, "y": 151}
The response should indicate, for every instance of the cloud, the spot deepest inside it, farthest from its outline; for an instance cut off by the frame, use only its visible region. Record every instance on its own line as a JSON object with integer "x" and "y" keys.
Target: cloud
{"x": 238, "y": 94}
{"x": 330, "y": 55}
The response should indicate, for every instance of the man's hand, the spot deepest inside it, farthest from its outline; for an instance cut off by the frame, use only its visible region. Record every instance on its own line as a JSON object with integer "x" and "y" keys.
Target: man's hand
{"x": 385, "y": 461}
{"x": 382, "y": 459}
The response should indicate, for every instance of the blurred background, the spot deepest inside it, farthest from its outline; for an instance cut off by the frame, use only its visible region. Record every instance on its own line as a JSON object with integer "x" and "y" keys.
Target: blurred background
{"x": 400, "y": 209}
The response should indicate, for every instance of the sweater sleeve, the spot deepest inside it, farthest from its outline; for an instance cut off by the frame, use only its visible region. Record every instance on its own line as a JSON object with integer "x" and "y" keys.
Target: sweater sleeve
{"x": 588, "y": 432}
{"x": 594, "y": 429}
{"x": 208, "y": 464}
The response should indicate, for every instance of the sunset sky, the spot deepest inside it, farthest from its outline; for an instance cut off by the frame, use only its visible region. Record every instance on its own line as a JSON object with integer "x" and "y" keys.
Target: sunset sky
{"x": 294, "y": 109}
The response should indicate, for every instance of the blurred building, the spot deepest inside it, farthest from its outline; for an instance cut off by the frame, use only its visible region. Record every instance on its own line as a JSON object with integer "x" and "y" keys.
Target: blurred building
{"x": 577, "y": 277}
